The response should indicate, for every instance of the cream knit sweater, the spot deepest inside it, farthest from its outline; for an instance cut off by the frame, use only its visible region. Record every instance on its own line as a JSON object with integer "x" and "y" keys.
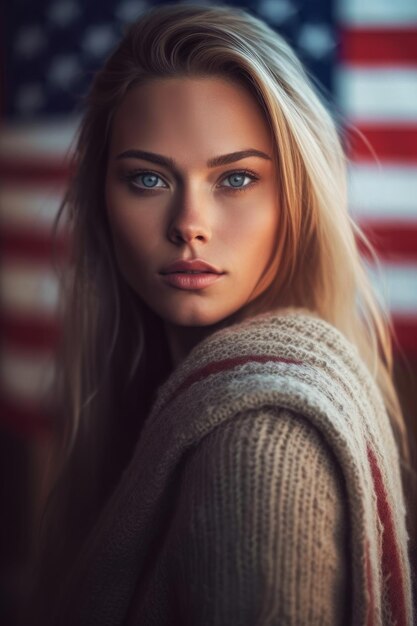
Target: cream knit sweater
{"x": 264, "y": 489}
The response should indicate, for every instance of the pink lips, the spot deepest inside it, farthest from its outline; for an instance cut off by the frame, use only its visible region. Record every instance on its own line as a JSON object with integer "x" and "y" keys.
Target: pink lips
{"x": 176, "y": 274}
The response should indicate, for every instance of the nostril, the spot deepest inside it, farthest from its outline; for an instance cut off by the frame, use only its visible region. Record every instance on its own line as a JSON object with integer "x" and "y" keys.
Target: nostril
{"x": 178, "y": 238}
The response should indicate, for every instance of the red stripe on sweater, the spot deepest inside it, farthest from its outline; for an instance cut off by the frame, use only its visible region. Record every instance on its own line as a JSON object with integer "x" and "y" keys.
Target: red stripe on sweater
{"x": 226, "y": 364}
{"x": 391, "y": 565}
{"x": 370, "y": 612}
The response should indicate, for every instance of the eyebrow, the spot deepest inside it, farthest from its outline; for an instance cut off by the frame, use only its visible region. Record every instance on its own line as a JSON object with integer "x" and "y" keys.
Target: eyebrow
{"x": 223, "y": 159}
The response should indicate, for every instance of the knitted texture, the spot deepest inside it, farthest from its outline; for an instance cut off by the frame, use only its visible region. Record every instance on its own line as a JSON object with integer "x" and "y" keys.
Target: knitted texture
{"x": 260, "y": 533}
{"x": 224, "y": 411}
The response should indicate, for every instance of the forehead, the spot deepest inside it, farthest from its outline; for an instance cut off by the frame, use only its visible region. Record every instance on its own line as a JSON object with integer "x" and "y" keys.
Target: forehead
{"x": 209, "y": 114}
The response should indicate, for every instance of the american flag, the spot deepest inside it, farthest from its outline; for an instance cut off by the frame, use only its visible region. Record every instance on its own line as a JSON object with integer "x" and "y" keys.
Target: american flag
{"x": 364, "y": 52}
{"x": 376, "y": 86}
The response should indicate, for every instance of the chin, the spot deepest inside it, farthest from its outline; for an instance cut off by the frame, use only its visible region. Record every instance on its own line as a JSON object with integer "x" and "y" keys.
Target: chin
{"x": 194, "y": 316}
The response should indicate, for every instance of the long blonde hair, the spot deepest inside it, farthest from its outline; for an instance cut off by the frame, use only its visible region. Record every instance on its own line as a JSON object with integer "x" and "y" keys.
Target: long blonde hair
{"x": 103, "y": 386}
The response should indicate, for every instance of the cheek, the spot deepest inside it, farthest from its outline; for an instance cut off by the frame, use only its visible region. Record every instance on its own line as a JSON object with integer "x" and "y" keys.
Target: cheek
{"x": 266, "y": 223}
{"x": 130, "y": 224}
{"x": 254, "y": 234}
{"x": 134, "y": 238}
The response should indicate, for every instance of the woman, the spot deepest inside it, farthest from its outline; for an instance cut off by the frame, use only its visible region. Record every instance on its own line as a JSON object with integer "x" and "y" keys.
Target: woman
{"x": 232, "y": 439}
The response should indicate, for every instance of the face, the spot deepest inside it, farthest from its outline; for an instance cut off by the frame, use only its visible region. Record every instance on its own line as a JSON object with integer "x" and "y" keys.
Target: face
{"x": 177, "y": 203}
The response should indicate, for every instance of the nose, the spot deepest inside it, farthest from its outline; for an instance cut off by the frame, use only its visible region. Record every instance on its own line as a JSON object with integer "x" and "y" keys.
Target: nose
{"x": 190, "y": 219}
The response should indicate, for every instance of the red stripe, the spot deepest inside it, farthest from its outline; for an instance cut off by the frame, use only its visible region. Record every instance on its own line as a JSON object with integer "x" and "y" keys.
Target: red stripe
{"x": 391, "y": 565}
{"x": 227, "y": 364}
{"x": 33, "y": 245}
{"x": 29, "y": 333}
{"x": 406, "y": 331}
{"x": 390, "y": 142}
{"x": 392, "y": 240}
{"x": 35, "y": 170}
{"x": 371, "y": 604}
{"x": 25, "y": 420}
{"x": 379, "y": 46}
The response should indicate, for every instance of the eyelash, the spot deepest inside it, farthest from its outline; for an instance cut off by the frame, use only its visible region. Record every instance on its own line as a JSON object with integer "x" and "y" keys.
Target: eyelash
{"x": 130, "y": 176}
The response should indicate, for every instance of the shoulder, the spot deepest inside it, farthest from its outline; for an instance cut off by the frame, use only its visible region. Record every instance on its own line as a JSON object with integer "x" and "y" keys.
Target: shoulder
{"x": 263, "y": 458}
{"x": 270, "y": 442}
{"x": 262, "y": 508}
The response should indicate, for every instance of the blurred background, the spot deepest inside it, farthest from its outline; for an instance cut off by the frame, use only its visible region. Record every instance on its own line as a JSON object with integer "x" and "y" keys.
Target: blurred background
{"x": 363, "y": 52}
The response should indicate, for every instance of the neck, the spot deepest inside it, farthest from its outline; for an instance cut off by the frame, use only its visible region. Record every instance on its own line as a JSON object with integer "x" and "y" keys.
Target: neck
{"x": 182, "y": 339}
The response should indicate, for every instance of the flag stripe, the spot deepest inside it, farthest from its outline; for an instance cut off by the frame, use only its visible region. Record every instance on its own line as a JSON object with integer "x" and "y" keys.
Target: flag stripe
{"x": 28, "y": 287}
{"x": 388, "y": 142}
{"x": 29, "y": 333}
{"x": 396, "y": 286}
{"x": 31, "y": 206}
{"x": 383, "y": 192}
{"x": 379, "y": 46}
{"x": 369, "y": 94}
{"x": 402, "y": 13}
{"x": 26, "y": 419}
{"x": 376, "y": 85}
{"x": 405, "y": 327}
{"x": 26, "y": 377}
{"x": 26, "y": 171}
{"x": 48, "y": 140}
{"x": 391, "y": 240}
{"x": 32, "y": 245}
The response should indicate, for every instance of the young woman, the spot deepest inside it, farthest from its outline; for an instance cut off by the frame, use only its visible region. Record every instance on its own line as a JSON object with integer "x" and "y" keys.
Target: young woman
{"x": 232, "y": 439}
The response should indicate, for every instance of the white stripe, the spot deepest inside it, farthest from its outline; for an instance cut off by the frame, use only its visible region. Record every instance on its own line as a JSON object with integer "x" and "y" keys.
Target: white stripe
{"x": 43, "y": 140}
{"x": 28, "y": 289}
{"x": 383, "y": 192}
{"x": 377, "y": 94}
{"x": 29, "y": 207}
{"x": 396, "y": 287}
{"x": 377, "y": 12}
{"x": 26, "y": 378}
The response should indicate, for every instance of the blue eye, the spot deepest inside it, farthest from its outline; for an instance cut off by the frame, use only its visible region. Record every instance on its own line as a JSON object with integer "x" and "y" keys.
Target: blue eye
{"x": 149, "y": 180}
{"x": 145, "y": 180}
{"x": 237, "y": 177}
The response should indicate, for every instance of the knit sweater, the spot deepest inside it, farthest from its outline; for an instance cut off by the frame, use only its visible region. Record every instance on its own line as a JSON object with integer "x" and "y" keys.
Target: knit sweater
{"x": 264, "y": 489}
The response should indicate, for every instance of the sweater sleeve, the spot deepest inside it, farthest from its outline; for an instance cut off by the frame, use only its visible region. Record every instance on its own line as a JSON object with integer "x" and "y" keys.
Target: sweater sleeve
{"x": 260, "y": 532}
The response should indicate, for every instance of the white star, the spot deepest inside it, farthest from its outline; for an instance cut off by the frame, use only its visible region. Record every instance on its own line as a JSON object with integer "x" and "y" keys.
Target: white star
{"x": 98, "y": 40}
{"x": 63, "y": 70}
{"x": 29, "y": 98}
{"x": 29, "y": 41}
{"x": 63, "y": 12}
{"x": 129, "y": 10}
{"x": 276, "y": 11}
{"x": 316, "y": 39}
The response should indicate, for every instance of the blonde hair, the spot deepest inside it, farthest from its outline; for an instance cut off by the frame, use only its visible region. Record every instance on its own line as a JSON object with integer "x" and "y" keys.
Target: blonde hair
{"x": 106, "y": 327}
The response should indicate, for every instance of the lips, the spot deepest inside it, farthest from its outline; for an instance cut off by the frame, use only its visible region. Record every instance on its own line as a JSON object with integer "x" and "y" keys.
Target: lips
{"x": 197, "y": 266}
